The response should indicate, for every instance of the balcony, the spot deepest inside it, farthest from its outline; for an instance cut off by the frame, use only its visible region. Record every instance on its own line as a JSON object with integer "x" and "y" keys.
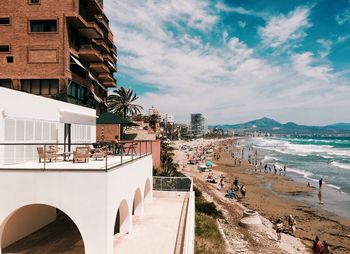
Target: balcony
{"x": 109, "y": 84}
{"x": 89, "y": 53}
{"x": 103, "y": 20}
{"x": 108, "y": 57}
{"x": 98, "y": 67}
{"x": 102, "y": 45}
{"x": 106, "y": 77}
{"x": 92, "y": 6}
{"x": 86, "y": 29}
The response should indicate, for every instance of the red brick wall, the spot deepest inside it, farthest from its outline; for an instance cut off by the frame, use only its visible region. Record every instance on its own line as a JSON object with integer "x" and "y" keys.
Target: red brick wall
{"x": 107, "y": 132}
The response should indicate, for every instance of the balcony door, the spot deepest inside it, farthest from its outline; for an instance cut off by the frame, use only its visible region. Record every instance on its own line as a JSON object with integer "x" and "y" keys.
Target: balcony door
{"x": 67, "y": 137}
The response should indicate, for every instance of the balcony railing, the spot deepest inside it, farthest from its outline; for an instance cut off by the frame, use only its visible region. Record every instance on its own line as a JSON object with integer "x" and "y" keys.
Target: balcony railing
{"x": 161, "y": 183}
{"x": 90, "y": 157}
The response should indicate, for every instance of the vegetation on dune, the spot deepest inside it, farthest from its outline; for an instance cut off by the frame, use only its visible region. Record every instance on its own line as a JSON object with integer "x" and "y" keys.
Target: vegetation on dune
{"x": 208, "y": 237}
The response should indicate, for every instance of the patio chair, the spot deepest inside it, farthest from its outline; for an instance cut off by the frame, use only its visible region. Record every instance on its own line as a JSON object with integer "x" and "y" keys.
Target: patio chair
{"x": 81, "y": 154}
{"x": 131, "y": 148}
{"x": 99, "y": 153}
{"x": 46, "y": 155}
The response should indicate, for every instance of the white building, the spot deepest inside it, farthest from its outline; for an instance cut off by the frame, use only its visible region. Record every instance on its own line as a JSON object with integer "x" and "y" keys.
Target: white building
{"x": 153, "y": 111}
{"x": 110, "y": 201}
{"x": 168, "y": 118}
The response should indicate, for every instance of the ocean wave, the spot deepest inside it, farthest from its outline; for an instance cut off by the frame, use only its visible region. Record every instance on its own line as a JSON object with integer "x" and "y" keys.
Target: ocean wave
{"x": 334, "y": 186}
{"x": 305, "y": 174}
{"x": 269, "y": 158}
{"x": 340, "y": 165}
{"x": 304, "y": 150}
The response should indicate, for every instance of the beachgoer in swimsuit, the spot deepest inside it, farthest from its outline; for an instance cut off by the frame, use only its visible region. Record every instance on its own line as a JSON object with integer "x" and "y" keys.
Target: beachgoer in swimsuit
{"x": 317, "y": 247}
{"x": 279, "y": 227}
{"x": 320, "y": 182}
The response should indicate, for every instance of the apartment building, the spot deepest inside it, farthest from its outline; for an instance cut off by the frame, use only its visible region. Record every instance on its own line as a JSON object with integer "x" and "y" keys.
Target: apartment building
{"x": 61, "y": 49}
{"x": 199, "y": 125}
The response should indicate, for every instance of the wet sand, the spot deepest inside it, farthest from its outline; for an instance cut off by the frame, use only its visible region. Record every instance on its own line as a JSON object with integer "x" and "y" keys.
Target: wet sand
{"x": 272, "y": 197}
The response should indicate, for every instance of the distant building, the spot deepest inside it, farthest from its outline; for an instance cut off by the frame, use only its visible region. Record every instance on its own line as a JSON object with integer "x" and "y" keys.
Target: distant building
{"x": 153, "y": 111}
{"x": 199, "y": 125}
{"x": 168, "y": 118}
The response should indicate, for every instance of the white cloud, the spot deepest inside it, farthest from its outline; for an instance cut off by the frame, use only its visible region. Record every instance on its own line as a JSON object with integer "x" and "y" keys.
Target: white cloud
{"x": 240, "y": 10}
{"x": 225, "y": 80}
{"x": 326, "y": 47}
{"x": 344, "y": 17}
{"x": 242, "y": 24}
{"x": 304, "y": 64}
{"x": 283, "y": 29}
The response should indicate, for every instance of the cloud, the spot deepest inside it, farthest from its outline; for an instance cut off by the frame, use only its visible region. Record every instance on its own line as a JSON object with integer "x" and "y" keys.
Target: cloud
{"x": 343, "y": 17}
{"x": 303, "y": 64}
{"x": 240, "y": 10}
{"x": 242, "y": 24}
{"x": 326, "y": 47}
{"x": 179, "y": 48}
{"x": 284, "y": 29}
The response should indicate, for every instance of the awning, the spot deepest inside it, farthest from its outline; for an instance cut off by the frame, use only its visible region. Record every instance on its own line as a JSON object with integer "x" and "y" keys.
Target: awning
{"x": 90, "y": 75}
{"x": 98, "y": 99}
{"x": 78, "y": 62}
{"x": 111, "y": 64}
{"x": 71, "y": 116}
{"x": 110, "y": 118}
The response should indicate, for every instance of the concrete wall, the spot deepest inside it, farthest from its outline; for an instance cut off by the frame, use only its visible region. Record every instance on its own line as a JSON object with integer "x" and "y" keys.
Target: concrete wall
{"x": 90, "y": 199}
{"x": 26, "y": 220}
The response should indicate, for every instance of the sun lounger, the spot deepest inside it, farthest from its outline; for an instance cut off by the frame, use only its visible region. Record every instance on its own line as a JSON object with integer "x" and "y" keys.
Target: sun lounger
{"x": 81, "y": 154}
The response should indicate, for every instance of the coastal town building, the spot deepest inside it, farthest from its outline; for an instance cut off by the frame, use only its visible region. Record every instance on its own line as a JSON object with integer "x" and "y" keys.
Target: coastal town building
{"x": 57, "y": 183}
{"x": 168, "y": 118}
{"x": 199, "y": 125}
{"x": 62, "y": 49}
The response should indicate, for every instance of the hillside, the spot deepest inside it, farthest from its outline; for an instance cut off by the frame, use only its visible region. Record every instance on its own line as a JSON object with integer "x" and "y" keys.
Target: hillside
{"x": 269, "y": 125}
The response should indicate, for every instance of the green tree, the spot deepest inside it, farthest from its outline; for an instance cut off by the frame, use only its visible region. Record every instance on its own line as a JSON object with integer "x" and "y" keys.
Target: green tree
{"x": 122, "y": 102}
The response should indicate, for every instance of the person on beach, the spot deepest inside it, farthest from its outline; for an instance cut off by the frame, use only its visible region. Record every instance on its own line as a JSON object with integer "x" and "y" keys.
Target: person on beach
{"x": 221, "y": 183}
{"x": 243, "y": 191}
{"x": 320, "y": 182}
{"x": 265, "y": 168}
{"x": 291, "y": 224}
{"x": 279, "y": 228}
{"x": 284, "y": 169}
{"x": 317, "y": 247}
{"x": 239, "y": 162}
{"x": 275, "y": 169}
{"x": 326, "y": 248}
{"x": 235, "y": 183}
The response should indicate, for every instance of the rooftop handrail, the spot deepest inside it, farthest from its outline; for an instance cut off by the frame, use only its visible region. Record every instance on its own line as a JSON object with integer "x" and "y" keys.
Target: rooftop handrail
{"x": 42, "y": 156}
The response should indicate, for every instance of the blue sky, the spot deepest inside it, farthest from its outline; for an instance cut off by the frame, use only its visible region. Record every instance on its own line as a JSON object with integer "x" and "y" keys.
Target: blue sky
{"x": 236, "y": 60}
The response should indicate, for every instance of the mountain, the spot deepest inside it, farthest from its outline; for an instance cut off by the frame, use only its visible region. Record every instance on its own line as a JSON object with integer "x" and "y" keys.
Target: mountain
{"x": 269, "y": 125}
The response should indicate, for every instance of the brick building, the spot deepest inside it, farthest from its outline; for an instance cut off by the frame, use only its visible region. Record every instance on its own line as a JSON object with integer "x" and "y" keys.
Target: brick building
{"x": 61, "y": 49}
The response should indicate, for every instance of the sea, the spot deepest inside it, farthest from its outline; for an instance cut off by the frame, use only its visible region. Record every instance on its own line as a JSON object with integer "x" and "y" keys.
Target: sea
{"x": 308, "y": 160}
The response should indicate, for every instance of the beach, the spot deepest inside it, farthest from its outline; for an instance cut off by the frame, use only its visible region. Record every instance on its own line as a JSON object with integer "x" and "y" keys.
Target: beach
{"x": 273, "y": 197}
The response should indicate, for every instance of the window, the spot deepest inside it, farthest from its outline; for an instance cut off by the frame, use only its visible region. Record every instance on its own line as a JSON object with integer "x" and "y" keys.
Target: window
{"x": 34, "y": 1}
{"x": 5, "y": 83}
{"x": 77, "y": 91}
{"x": 9, "y": 59}
{"x": 4, "y": 48}
{"x": 43, "y": 26}
{"x": 4, "y": 20}
{"x": 40, "y": 86}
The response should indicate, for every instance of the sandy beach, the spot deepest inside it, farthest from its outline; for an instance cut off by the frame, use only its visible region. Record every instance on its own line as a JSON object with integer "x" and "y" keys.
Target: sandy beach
{"x": 271, "y": 196}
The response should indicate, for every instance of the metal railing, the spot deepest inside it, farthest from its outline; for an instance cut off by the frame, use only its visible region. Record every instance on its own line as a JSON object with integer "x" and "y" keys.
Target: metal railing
{"x": 172, "y": 183}
{"x": 92, "y": 157}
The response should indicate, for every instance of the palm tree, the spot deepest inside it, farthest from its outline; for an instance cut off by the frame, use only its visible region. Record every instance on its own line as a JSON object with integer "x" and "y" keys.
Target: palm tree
{"x": 121, "y": 102}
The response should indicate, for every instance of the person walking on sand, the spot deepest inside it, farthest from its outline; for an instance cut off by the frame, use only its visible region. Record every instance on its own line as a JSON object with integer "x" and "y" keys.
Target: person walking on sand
{"x": 320, "y": 182}
{"x": 291, "y": 224}
{"x": 275, "y": 169}
{"x": 279, "y": 227}
{"x": 221, "y": 183}
{"x": 243, "y": 191}
{"x": 265, "y": 168}
{"x": 284, "y": 169}
{"x": 326, "y": 248}
{"x": 317, "y": 247}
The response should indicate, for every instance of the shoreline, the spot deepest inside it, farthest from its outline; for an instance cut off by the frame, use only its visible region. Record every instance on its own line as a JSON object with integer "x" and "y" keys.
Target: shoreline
{"x": 275, "y": 196}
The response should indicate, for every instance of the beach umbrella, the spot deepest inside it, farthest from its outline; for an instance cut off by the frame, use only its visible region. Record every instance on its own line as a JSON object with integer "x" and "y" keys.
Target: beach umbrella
{"x": 208, "y": 163}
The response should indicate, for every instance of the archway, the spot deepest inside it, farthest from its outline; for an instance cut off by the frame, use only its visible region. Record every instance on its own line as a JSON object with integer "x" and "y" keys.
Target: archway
{"x": 39, "y": 228}
{"x": 147, "y": 195}
{"x": 137, "y": 203}
{"x": 122, "y": 221}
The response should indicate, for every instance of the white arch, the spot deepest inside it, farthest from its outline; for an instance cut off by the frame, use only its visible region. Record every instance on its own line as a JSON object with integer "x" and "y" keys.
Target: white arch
{"x": 137, "y": 208}
{"x": 122, "y": 219}
{"x": 38, "y": 216}
{"x": 147, "y": 193}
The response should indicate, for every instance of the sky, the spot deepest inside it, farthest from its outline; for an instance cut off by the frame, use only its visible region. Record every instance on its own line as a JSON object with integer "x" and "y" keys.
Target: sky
{"x": 236, "y": 60}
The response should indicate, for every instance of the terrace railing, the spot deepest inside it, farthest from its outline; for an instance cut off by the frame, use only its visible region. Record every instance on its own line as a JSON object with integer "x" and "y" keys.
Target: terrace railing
{"x": 102, "y": 156}
{"x": 172, "y": 183}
